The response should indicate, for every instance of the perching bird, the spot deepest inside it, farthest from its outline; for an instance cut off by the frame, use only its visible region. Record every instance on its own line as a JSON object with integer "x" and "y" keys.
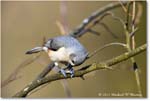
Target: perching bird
{"x": 64, "y": 49}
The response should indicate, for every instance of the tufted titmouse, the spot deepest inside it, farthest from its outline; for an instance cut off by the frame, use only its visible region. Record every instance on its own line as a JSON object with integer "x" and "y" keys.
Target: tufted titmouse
{"x": 64, "y": 49}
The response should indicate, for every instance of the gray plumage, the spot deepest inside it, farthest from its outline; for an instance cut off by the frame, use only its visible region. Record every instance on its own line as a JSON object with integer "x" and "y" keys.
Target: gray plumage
{"x": 76, "y": 51}
{"x": 64, "y": 49}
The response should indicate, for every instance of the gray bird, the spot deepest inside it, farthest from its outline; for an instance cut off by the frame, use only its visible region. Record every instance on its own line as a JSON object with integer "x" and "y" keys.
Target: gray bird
{"x": 64, "y": 49}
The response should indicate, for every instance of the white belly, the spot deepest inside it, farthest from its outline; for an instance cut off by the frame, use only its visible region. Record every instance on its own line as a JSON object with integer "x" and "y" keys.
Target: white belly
{"x": 59, "y": 55}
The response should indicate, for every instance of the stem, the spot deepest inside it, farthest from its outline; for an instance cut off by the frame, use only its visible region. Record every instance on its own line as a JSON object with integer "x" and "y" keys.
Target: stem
{"x": 130, "y": 42}
{"x": 133, "y": 47}
{"x": 105, "y": 46}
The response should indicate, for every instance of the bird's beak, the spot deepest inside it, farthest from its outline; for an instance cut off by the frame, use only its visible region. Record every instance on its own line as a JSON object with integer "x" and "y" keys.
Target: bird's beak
{"x": 36, "y": 50}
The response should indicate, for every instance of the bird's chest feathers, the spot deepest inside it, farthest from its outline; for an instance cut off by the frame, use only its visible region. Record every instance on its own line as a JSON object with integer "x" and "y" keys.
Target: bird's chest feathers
{"x": 59, "y": 55}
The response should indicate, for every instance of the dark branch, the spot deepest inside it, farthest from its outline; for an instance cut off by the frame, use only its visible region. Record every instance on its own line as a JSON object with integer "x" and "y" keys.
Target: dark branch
{"x": 77, "y": 32}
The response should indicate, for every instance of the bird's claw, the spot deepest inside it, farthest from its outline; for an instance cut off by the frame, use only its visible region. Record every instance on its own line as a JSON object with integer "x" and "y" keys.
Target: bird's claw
{"x": 63, "y": 72}
{"x": 71, "y": 72}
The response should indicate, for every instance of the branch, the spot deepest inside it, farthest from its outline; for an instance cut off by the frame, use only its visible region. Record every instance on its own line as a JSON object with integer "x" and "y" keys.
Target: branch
{"x": 14, "y": 75}
{"x": 135, "y": 66}
{"x": 105, "y": 46}
{"x": 80, "y": 29}
{"x": 80, "y": 73}
{"x": 45, "y": 71}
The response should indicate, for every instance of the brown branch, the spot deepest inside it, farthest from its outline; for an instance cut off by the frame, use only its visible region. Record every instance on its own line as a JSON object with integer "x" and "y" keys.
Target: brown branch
{"x": 77, "y": 32}
{"x": 79, "y": 73}
{"x": 14, "y": 75}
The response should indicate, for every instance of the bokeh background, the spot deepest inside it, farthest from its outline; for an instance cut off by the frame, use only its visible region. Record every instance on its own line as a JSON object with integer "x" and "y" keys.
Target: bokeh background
{"x": 24, "y": 24}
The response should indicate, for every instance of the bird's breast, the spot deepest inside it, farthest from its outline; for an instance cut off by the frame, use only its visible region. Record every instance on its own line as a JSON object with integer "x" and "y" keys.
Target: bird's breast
{"x": 59, "y": 55}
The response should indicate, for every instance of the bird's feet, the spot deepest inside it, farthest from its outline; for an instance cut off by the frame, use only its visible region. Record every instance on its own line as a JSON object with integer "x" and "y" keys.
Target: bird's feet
{"x": 71, "y": 72}
{"x": 65, "y": 72}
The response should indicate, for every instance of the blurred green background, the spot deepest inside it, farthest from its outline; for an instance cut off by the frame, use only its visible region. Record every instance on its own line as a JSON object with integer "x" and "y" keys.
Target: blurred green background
{"x": 24, "y": 24}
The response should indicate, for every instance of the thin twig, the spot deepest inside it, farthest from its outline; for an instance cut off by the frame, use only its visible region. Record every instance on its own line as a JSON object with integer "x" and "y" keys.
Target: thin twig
{"x": 108, "y": 30}
{"x": 138, "y": 14}
{"x": 61, "y": 28}
{"x": 45, "y": 71}
{"x": 14, "y": 75}
{"x": 131, "y": 43}
{"x": 63, "y": 16}
{"x": 133, "y": 47}
{"x": 117, "y": 18}
{"x": 96, "y": 21}
{"x": 123, "y": 7}
{"x": 105, "y": 46}
{"x": 133, "y": 32}
{"x": 128, "y": 15}
{"x": 77, "y": 32}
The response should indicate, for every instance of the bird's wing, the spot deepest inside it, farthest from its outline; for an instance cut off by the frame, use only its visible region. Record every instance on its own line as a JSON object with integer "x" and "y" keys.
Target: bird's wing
{"x": 55, "y": 43}
{"x": 64, "y": 41}
{"x": 52, "y": 44}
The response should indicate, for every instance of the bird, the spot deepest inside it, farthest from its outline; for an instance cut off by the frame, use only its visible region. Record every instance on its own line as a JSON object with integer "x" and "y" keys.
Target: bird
{"x": 63, "y": 49}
